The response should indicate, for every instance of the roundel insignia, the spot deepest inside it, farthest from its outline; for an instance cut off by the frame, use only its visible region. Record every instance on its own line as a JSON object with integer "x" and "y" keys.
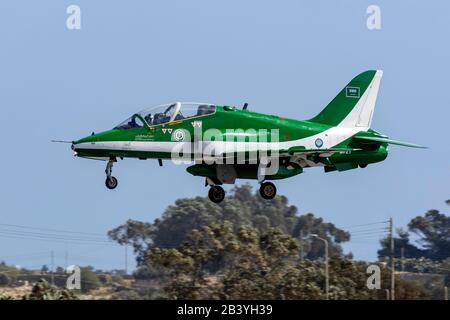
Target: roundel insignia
{"x": 319, "y": 142}
{"x": 178, "y": 135}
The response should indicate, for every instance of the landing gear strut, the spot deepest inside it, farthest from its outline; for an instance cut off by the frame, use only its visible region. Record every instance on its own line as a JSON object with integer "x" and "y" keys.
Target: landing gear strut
{"x": 267, "y": 190}
{"x": 110, "y": 182}
{"x": 216, "y": 194}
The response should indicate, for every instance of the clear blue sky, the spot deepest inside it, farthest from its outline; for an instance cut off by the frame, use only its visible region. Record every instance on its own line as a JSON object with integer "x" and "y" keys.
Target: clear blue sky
{"x": 288, "y": 58}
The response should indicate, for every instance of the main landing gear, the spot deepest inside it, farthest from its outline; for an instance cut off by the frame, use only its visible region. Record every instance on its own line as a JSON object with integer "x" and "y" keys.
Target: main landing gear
{"x": 267, "y": 190}
{"x": 216, "y": 194}
{"x": 110, "y": 182}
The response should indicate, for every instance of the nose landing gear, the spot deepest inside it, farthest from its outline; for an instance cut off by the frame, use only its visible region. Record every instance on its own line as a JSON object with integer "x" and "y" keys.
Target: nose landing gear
{"x": 110, "y": 182}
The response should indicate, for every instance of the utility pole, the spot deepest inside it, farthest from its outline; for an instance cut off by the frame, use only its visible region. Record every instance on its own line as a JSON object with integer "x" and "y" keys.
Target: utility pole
{"x": 52, "y": 258}
{"x": 402, "y": 252}
{"x": 445, "y": 293}
{"x": 301, "y": 245}
{"x": 327, "y": 274}
{"x": 66, "y": 258}
{"x": 126, "y": 258}
{"x": 391, "y": 234}
{"x": 126, "y": 250}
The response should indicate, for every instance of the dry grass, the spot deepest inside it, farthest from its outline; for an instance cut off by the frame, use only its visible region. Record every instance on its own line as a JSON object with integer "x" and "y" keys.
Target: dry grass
{"x": 17, "y": 292}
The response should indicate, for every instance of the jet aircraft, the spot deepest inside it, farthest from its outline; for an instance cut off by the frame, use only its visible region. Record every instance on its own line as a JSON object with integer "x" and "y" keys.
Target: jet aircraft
{"x": 224, "y": 143}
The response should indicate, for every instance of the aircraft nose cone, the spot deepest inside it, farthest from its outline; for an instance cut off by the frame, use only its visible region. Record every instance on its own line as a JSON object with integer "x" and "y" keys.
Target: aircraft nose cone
{"x": 74, "y": 147}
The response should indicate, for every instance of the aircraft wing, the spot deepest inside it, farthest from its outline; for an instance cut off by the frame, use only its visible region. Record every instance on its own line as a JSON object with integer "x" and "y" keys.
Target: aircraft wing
{"x": 390, "y": 141}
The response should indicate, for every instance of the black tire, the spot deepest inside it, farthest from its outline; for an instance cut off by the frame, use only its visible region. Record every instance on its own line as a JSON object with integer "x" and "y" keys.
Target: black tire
{"x": 268, "y": 190}
{"x": 111, "y": 183}
{"x": 216, "y": 194}
{"x": 363, "y": 165}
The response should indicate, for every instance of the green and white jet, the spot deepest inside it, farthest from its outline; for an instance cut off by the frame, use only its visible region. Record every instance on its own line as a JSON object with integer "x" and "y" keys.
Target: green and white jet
{"x": 225, "y": 143}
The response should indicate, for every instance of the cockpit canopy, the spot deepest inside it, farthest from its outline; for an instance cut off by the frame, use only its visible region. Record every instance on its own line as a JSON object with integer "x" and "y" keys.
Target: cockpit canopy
{"x": 167, "y": 113}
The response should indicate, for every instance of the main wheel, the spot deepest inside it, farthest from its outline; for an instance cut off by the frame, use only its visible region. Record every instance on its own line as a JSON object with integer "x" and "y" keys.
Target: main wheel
{"x": 267, "y": 190}
{"x": 216, "y": 194}
{"x": 111, "y": 182}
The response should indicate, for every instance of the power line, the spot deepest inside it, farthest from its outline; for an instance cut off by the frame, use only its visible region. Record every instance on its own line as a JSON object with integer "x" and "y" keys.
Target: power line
{"x": 51, "y": 230}
{"x": 369, "y": 233}
{"x": 56, "y": 240}
{"x": 368, "y": 230}
{"x": 369, "y": 236}
{"x": 364, "y": 224}
{"x": 25, "y": 255}
{"x": 52, "y": 236}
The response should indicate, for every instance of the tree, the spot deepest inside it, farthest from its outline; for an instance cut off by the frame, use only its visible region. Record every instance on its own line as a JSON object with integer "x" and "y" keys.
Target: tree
{"x": 309, "y": 224}
{"x": 433, "y": 230}
{"x": 8, "y": 274}
{"x": 260, "y": 265}
{"x": 135, "y": 233}
{"x": 401, "y": 242}
{"x": 60, "y": 270}
{"x": 246, "y": 255}
{"x": 242, "y": 207}
{"x": 4, "y": 279}
{"x": 42, "y": 290}
{"x": 89, "y": 279}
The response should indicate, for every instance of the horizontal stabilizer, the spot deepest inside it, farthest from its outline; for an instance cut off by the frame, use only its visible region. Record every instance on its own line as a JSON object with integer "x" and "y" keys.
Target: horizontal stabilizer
{"x": 390, "y": 141}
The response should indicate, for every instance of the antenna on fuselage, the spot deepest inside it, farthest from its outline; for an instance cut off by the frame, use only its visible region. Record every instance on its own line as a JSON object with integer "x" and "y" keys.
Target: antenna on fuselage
{"x": 245, "y": 106}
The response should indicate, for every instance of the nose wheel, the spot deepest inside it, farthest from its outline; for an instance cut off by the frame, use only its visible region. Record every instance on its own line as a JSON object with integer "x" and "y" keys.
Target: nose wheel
{"x": 267, "y": 190}
{"x": 110, "y": 182}
{"x": 216, "y": 194}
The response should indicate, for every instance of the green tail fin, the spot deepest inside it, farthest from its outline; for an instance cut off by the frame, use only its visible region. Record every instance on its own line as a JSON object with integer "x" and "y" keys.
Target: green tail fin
{"x": 354, "y": 105}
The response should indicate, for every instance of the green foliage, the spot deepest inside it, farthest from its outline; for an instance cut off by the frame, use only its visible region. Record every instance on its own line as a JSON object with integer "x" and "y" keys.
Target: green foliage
{"x": 309, "y": 224}
{"x": 433, "y": 230}
{"x": 138, "y": 234}
{"x": 126, "y": 295}
{"x": 5, "y": 297}
{"x": 248, "y": 248}
{"x": 8, "y": 274}
{"x": 243, "y": 208}
{"x": 260, "y": 266}
{"x": 4, "y": 279}
{"x": 402, "y": 241}
{"x": 42, "y": 290}
{"x": 89, "y": 279}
